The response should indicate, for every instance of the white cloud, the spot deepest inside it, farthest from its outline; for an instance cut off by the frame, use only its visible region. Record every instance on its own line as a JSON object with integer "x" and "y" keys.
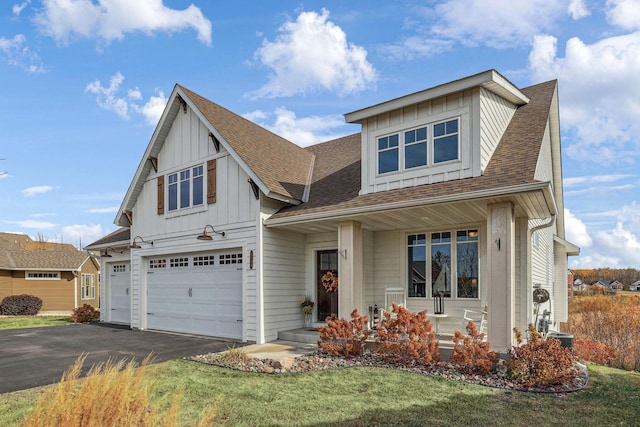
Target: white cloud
{"x": 624, "y": 14}
{"x": 599, "y": 113}
{"x": 18, "y": 8}
{"x": 108, "y": 99}
{"x": 577, "y": 9}
{"x": 111, "y": 209}
{"x": 16, "y": 53}
{"x": 576, "y": 230}
{"x": 301, "y": 131}
{"x": 621, "y": 245}
{"x": 110, "y": 20}
{"x": 33, "y": 191}
{"x": 594, "y": 179}
{"x": 313, "y": 54}
{"x": 29, "y": 223}
{"x": 82, "y": 233}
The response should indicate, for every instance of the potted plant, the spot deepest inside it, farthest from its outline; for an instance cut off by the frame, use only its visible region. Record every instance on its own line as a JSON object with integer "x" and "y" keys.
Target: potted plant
{"x": 307, "y": 310}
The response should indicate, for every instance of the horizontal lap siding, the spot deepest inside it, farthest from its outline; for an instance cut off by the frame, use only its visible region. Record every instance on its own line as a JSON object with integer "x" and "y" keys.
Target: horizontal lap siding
{"x": 284, "y": 281}
{"x": 56, "y": 295}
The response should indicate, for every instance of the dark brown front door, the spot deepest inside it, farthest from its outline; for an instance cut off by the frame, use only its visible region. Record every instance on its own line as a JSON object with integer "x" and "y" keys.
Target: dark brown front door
{"x": 326, "y": 283}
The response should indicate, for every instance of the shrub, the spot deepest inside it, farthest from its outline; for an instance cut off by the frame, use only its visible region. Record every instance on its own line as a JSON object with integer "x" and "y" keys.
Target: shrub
{"x": 85, "y": 314}
{"x": 112, "y": 394}
{"x": 20, "y": 305}
{"x": 593, "y": 351}
{"x": 540, "y": 362}
{"x": 343, "y": 337}
{"x": 406, "y": 338}
{"x": 613, "y": 321}
{"x": 471, "y": 353}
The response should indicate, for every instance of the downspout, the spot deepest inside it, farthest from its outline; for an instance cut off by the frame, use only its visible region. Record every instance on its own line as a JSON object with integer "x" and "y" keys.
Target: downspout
{"x": 530, "y": 232}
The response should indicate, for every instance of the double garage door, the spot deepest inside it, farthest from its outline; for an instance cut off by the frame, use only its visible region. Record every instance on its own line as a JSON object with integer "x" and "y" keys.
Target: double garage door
{"x": 196, "y": 293}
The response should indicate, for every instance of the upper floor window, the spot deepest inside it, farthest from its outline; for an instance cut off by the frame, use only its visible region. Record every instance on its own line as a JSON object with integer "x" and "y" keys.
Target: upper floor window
{"x": 413, "y": 148}
{"x": 186, "y": 188}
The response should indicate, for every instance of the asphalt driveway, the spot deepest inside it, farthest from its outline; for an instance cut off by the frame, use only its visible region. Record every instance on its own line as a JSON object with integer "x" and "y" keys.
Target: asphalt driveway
{"x": 39, "y": 356}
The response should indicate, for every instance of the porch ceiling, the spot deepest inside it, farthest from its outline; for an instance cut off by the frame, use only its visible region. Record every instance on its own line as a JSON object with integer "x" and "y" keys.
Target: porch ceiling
{"x": 533, "y": 204}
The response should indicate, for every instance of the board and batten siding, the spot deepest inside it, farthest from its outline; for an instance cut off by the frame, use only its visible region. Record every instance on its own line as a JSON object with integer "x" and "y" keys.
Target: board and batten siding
{"x": 495, "y": 115}
{"x": 457, "y": 105}
{"x": 544, "y": 165}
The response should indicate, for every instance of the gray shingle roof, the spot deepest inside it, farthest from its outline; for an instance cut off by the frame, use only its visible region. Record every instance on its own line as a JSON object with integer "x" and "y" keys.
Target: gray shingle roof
{"x": 122, "y": 234}
{"x": 39, "y": 260}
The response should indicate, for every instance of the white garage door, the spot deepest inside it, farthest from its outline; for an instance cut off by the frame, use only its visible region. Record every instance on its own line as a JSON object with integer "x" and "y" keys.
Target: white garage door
{"x": 196, "y": 293}
{"x": 119, "y": 292}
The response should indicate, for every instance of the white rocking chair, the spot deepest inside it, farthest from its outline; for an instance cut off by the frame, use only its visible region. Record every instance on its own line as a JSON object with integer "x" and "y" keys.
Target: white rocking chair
{"x": 478, "y": 318}
{"x": 391, "y": 295}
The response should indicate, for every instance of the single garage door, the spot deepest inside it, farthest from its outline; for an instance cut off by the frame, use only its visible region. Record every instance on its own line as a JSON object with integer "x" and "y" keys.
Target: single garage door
{"x": 196, "y": 293}
{"x": 119, "y": 292}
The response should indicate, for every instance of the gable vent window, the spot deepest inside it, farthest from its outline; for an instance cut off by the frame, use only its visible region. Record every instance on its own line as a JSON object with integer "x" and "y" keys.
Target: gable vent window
{"x": 186, "y": 188}
{"x": 420, "y": 147}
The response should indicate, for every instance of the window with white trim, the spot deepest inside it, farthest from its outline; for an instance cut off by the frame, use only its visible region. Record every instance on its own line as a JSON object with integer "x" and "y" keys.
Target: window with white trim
{"x": 42, "y": 275}
{"x": 88, "y": 286}
{"x": 420, "y": 147}
{"x": 185, "y": 188}
{"x": 453, "y": 260}
{"x": 155, "y": 264}
{"x": 179, "y": 262}
{"x": 231, "y": 258}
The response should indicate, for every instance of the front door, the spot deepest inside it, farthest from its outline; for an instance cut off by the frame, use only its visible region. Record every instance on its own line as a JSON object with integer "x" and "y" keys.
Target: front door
{"x": 327, "y": 283}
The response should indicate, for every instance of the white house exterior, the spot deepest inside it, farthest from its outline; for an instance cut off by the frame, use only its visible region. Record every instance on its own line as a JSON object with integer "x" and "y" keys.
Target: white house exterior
{"x": 464, "y": 177}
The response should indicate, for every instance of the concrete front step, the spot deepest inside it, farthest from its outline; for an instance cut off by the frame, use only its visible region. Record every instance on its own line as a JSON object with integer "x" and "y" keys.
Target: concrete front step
{"x": 307, "y": 336}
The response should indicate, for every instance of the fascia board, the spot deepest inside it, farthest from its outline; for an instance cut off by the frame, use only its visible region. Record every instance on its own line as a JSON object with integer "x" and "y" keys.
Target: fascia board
{"x": 491, "y": 80}
{"x": 338, "y": 214}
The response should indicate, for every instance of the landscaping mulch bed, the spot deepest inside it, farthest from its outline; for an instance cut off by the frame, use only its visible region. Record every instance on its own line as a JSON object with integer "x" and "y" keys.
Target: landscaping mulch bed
{"x": 319, "y": 361}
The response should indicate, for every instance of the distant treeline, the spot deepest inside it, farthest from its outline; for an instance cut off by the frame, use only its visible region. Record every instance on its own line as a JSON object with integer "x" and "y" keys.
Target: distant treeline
{"x": 626, "y": 276}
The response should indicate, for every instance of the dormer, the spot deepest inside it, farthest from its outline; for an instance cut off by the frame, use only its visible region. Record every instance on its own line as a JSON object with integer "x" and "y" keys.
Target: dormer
{"x": 444, "y": 133}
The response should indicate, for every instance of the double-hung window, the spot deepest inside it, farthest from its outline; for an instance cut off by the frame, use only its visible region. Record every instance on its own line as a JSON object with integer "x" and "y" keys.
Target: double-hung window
{"x": 453, "y": 259}
{"x": 186, "y": 188}
{"x": 88, "y": 286}
{"x": 423, "y": 146}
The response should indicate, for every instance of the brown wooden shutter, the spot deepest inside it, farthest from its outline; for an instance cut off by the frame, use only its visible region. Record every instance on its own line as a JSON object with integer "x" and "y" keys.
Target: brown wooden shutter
{"x": 211, "y": 181}
{"x": 161, "y": 195}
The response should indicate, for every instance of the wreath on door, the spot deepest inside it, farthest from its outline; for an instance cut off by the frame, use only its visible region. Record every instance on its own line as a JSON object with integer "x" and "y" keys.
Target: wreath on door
{"x": 329, "y": 282}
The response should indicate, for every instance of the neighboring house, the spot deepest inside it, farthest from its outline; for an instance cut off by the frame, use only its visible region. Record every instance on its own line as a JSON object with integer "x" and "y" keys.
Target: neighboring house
{"x": 615, "y": 285}
{"x": 231, "y": 225}
{"x": 59, "y": 274}
{"x": 635, "y": 286}
{"x": 570, "y": 282}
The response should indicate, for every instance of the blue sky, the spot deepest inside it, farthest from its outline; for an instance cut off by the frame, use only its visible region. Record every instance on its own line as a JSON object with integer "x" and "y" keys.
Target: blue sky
{"x": 85, "y": 81}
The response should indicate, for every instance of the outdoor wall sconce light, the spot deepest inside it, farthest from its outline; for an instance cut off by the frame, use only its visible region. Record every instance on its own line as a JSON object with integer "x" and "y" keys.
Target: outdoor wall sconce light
{"x": 438, "y": 303}
{"x": 136, "y": 242}
{"x": 206, "y": 236}
{"x": 106, "y": 253}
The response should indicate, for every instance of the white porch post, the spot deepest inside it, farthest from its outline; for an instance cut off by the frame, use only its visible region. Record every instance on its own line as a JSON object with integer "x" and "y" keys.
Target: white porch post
{"x": 350, "y": 265}
{"x": 501, "y": 275}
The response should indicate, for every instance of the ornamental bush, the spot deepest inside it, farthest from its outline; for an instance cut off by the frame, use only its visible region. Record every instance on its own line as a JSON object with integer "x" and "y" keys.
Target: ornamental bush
{"x": 406, "y": 338}
{"x": 343, "y": 337}
{"x": 20, "y": 305}
{"x": 539, "y": 361}
{"x": 85, "y": 314}
{"x": 471, "y": 353}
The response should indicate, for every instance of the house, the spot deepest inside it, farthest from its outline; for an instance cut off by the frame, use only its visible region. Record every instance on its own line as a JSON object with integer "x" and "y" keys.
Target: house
{"x": 63, "y": 277}
{"x": 615, "y": 285}
{"x": 571, "y": 282}
{"x": 231, "y": 226}
{"x": 635, "y": 286}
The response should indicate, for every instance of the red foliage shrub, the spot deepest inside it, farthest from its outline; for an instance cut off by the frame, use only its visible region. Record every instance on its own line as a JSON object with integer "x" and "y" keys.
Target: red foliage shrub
{"x": 593, "y": 351}
{"x": 471, "y": 353}
{"x": 20, "y": 305}
{"x": 540, "y": 361}
{"x": 343, "y": 337}
{"x": 406, "y": 338}
{"x": 85, "y": 314}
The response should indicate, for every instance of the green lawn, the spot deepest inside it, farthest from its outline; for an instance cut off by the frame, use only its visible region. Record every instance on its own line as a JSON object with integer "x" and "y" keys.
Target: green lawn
{"x": 371, "y": 396}
{"x": 15, "y": 322}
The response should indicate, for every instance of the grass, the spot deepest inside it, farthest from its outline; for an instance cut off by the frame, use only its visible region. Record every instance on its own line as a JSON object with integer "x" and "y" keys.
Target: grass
{"x": 16, "y": 322}
{"x": 367, "y": 396}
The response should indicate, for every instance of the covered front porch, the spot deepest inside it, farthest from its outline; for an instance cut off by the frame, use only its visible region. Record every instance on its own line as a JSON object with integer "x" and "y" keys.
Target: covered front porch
{"x": 473, "y": 253}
